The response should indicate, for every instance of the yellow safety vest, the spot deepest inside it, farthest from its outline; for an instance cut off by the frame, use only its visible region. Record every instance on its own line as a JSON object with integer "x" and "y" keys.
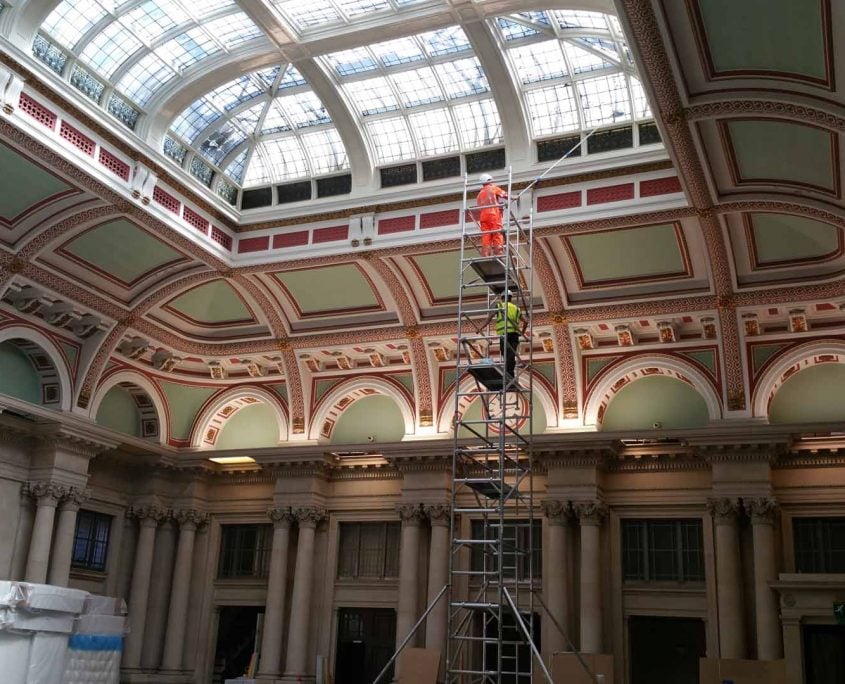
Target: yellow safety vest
{"x": 511, "y": 318}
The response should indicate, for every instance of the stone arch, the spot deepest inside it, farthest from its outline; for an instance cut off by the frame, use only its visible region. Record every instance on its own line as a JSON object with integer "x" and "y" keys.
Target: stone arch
{"x": 48, "y": 362}
{"x": 151, "y": 404}
{"x": 221, "y": 407}
{"x": 622, "y": 373}
{"x": 542, "y": 391}
{"x": 346, "y": 393}
{"x": 789, "y": 362}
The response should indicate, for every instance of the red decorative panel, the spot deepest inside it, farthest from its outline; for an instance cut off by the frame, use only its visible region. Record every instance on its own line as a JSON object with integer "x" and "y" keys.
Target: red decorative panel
{"x": 77, "y": 139}
{"x": 611, "y": 193}
{"x": 435, "y": 219}
{"x": 330, "y": 234}
{"x": 255, "y": 244}
{"x": 221, "y": 238}
{"x": 166, "y": 200}
{"x": 194, "y": 219}
{"x": 300, "y": 237}
{"x": 825, "y": 307}
{"x": 660, "y": 186}
{"x": 116, "y": 166}
{"x": 562, "y": 200}
{"x": 399, "y": 224}
{"x": 37, "y": 111}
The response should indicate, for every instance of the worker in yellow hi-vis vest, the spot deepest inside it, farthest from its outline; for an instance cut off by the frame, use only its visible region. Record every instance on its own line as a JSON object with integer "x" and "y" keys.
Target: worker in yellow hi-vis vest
{"x": 510, "y": 324}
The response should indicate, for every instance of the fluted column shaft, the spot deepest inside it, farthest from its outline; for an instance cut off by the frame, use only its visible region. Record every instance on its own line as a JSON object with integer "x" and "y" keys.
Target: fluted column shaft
{"x": 174, "y": 642}
{"x": 558, "y": 516}
{"x": 139, "y": 590}
{"x": 407, "y": 609}
{"x": 438, "y": 571}
{"x": 303, "y": 577}
{"x": 47, "y": 497}
{"x": 274, "y": 610}
{"x": 591, "y": 515}
{"x": 728, "y": 579}
{"x": 769, "y": 634}
{"x": 63, "y": 543}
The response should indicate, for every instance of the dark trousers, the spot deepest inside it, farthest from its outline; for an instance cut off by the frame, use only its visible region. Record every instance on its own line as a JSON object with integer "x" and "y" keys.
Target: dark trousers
{"x": 512, "y": 340}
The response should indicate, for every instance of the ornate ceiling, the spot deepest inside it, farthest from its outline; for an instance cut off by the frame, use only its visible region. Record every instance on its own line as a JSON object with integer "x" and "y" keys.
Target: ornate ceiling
{"x": 716, "y": 261}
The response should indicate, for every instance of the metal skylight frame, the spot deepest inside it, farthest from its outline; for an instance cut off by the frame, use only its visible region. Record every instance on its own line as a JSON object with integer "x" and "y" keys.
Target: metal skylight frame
{"x": 305, "y": 18}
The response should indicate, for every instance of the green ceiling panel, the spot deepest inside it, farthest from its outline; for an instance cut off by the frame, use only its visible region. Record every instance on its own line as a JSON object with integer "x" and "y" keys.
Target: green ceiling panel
{"x": 24, "y": 184}
{"x": 212, "y": 303}
{"x": 72, "y": 353}
{"x": 252, "y": 427}
{"x": 539, "y": 420}
{"x": 706, "y": 357}
{"x": 447, "y": 379}
{"x": 440, "y": 271}
{"x": 184, "y": 401}
{"x": 375, "y": 416}
{"x": 281, "y": 389}
{"x": 407, "y": 381}
{"x": 331, "y": 288}
{"x": 760, "y": 353}
{"x": 630, "y": 253}
{"x": 123, "y": 250}
{"x": 656, "y": 399}
{"x": 119, "y": 412}
{"x": 323, "y": 386}
{"x": 17, "y": 376}
{"x": 813, "y": 395}
{"x": 777, "y": 151}
{"x": 776, "y": 36}
{"x": 595, "y": 364}
{"x": 783, "y": 238}
{"x": 548, "y": 371}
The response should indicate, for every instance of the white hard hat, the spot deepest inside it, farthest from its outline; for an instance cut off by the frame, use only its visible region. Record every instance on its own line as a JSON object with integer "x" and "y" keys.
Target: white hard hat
{"x": 485, "y": 178}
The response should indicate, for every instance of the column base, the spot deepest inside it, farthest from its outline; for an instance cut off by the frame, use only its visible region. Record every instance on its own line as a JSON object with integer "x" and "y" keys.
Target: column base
{"x": 141, "y": 676}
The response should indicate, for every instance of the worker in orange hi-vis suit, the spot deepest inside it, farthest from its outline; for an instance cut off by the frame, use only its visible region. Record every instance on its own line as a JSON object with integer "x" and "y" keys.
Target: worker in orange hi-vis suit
{"x": 490, "y": 201}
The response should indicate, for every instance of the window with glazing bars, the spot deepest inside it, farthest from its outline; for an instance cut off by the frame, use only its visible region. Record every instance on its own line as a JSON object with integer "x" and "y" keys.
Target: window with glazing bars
{"x": 91, "y": 541}
{"x": 662, "y": 551}
{"x": 368, "y": 550}
{"x": 245, "y": 551}
{"x": 819, "y": 544}
{"x": 515, "y": 545}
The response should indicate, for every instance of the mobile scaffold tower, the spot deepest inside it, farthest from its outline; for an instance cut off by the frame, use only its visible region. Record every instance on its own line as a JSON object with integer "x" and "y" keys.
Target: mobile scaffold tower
{"x": 495, "y": 540}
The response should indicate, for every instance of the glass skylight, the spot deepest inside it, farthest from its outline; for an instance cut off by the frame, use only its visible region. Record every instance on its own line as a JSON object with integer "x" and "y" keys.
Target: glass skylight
{"x": 574, "y": 69}
{"x": 423, "y": 78}
{"x": 263, "y": 127}
{"x": 305, "y": 17}
{"x": 139, "y": 48}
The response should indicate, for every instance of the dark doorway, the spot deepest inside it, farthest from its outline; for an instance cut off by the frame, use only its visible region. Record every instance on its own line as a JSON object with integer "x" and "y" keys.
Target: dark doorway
{"x": 236, "y": 641}
{"x": 516, "y": 653}
{"x": 665, "y": 650}
{"x": 366, "y": 639}
{"x": 824, "y": 654}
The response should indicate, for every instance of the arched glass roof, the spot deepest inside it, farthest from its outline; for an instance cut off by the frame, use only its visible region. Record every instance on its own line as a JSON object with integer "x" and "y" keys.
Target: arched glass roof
{"x": 414, "y": 97}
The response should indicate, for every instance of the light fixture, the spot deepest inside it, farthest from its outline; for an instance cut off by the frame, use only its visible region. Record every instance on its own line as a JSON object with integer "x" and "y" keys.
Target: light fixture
{"x": 232, "y": 460}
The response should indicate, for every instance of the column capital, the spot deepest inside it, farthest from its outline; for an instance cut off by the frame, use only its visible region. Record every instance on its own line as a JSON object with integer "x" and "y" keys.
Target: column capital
{"x": 309, "y": 516}
{"x": 410, "y": 514}
{"x": 557, "y": 512}
{"x": 281, "y": 517}
{"x": 148, "y": 516}
{"x": 47, "y": 493}
{"x": 190, "y": 518}
{"x": 439, "y": 515}
{"x": 724, "y": 510}
{"x": 590, "y": 512}
{"x": 763, "y": 510}
{"x": 73, "y": 498}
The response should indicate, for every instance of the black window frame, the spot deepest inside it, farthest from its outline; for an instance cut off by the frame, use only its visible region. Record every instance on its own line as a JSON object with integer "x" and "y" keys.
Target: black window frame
{"x": 91, "y": 541}
{"x": 515, "y": 538}
{"x": 352, "y": 560}
{"x": 245, "y": 551}
{"x": 813, "y": 544}
{"x": 651, "y": 545}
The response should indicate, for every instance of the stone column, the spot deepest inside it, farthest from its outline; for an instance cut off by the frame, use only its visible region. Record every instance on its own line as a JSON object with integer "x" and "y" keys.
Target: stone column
{"x": 274, "y": 611}
{"x": 438, "y": 575}
{"x": 558, "y": 516}
{"x": 407, "y": 611}
{"x": 764, "y": 514}
{"x": 300, "y": 606}
{"x": 139, "y": 591}
{"x": 47, "y": 496}
{"x": 728, "y": 579}
{"x": 591, "y": 515}
{"x": 65, "y": 531}
{"x": 174, "y": 640}
{"x": 23, "y": 533}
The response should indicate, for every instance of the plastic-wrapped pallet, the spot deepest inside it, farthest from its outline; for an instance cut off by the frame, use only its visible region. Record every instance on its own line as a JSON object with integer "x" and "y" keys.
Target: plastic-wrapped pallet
{"x": 95, "y": 648}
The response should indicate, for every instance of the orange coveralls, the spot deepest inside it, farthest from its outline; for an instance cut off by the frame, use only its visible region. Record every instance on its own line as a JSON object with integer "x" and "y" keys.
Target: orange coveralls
{"x": 490, "y": 218}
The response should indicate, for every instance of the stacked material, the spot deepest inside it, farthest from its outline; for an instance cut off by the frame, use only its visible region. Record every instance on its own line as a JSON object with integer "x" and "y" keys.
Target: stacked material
{"x": 54, "y": 635}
